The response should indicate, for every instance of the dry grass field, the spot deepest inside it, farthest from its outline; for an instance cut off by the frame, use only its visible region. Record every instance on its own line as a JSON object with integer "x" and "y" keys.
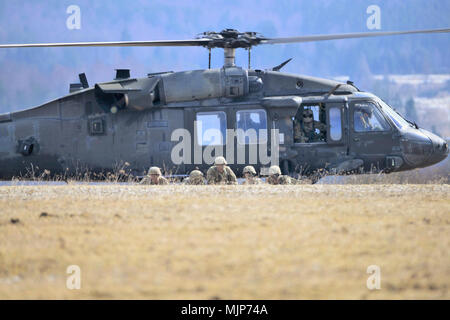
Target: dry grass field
{"x": 225, "y": 242}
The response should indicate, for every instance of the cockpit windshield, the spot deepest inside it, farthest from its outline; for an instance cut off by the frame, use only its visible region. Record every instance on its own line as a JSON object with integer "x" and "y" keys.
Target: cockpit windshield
{"x": 394, "y": 115}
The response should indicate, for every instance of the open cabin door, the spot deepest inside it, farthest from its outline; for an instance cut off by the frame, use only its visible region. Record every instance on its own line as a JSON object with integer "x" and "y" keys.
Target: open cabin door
{"x": 281, "y": 112}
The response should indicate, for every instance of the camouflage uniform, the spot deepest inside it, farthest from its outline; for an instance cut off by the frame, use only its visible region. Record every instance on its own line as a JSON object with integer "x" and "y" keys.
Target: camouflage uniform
{"x": 305, "y": 130}
{"x": 252, "y": 180}
{"x": 195, "y": 178}
{"x": 148, "y": 181}
{"x": 308, "y": 132}
{"x": 154, "y": 171}
{"x": 213, "y": 176}
{"x": 283, "y": 179}
{"x": 275, "y": 176}
{"x": 251, "y": 177}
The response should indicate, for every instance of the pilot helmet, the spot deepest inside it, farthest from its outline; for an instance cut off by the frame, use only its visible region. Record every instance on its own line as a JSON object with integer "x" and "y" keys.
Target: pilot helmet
{"x": 365, "y": 110}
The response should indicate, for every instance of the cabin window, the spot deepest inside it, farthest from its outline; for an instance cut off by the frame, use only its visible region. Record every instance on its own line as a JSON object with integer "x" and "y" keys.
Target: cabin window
{"x": 367, "y": 118}
{"x": 211, "y": 128}
{"x": 335, "y": 124}
{"x": 251, "y": 126}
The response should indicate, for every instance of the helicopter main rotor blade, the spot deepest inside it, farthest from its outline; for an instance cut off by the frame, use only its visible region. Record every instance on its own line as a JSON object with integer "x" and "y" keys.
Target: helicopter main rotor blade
{"x": 324, "y": 37}
{"x": 157, "y": 43}
{"x": 222, "y": 40}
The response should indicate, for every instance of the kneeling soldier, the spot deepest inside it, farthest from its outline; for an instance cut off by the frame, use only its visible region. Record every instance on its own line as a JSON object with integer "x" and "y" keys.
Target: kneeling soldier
{"x": 154, "y": 177}
{"x": 220, "y": 173}
{"x": 275, "y": 176}
{"x": 250, "y": 176}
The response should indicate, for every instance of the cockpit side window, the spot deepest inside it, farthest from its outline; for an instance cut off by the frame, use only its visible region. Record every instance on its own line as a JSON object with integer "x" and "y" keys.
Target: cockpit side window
{"x": 367, "y": 118}
{"x": 394, "y": 116}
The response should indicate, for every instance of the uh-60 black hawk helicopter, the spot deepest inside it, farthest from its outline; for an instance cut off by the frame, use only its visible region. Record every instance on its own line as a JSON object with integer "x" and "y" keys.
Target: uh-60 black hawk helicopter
{"x": 135, "y": 121}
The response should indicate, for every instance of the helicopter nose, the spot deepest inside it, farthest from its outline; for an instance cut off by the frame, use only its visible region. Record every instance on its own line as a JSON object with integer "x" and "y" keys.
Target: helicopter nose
{"x": 422, "y": 148}
{"x": 439, "y": 150}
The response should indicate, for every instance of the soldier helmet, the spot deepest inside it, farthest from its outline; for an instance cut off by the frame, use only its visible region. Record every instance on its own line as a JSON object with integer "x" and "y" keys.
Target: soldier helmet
{"x": 274, "y": 170}
{"x": 249, "y": 169}
{"x": 154, "y": 170}
{"x": 364, "y": 109}
{"x": 196, "y": 174}
{"x": 308, "y": 115}
{"x": 220, "y": 160}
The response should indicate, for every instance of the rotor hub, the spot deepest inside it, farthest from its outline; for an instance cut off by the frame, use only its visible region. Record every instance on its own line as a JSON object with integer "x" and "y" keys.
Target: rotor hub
{"x": 231, "y": 38}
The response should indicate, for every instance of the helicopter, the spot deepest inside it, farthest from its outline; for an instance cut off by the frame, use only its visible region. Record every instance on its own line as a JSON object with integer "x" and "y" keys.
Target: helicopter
{"x": 180, "y": 121}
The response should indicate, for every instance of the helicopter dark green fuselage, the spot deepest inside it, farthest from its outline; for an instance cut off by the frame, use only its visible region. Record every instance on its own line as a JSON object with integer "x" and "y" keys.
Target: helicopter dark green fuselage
{"x": 131, "y": 121}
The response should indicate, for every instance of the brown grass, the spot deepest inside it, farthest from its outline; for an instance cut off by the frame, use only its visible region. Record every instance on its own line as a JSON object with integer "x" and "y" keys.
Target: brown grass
{"x": 437, "y": 174}
{"x": 229, "y": 242}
